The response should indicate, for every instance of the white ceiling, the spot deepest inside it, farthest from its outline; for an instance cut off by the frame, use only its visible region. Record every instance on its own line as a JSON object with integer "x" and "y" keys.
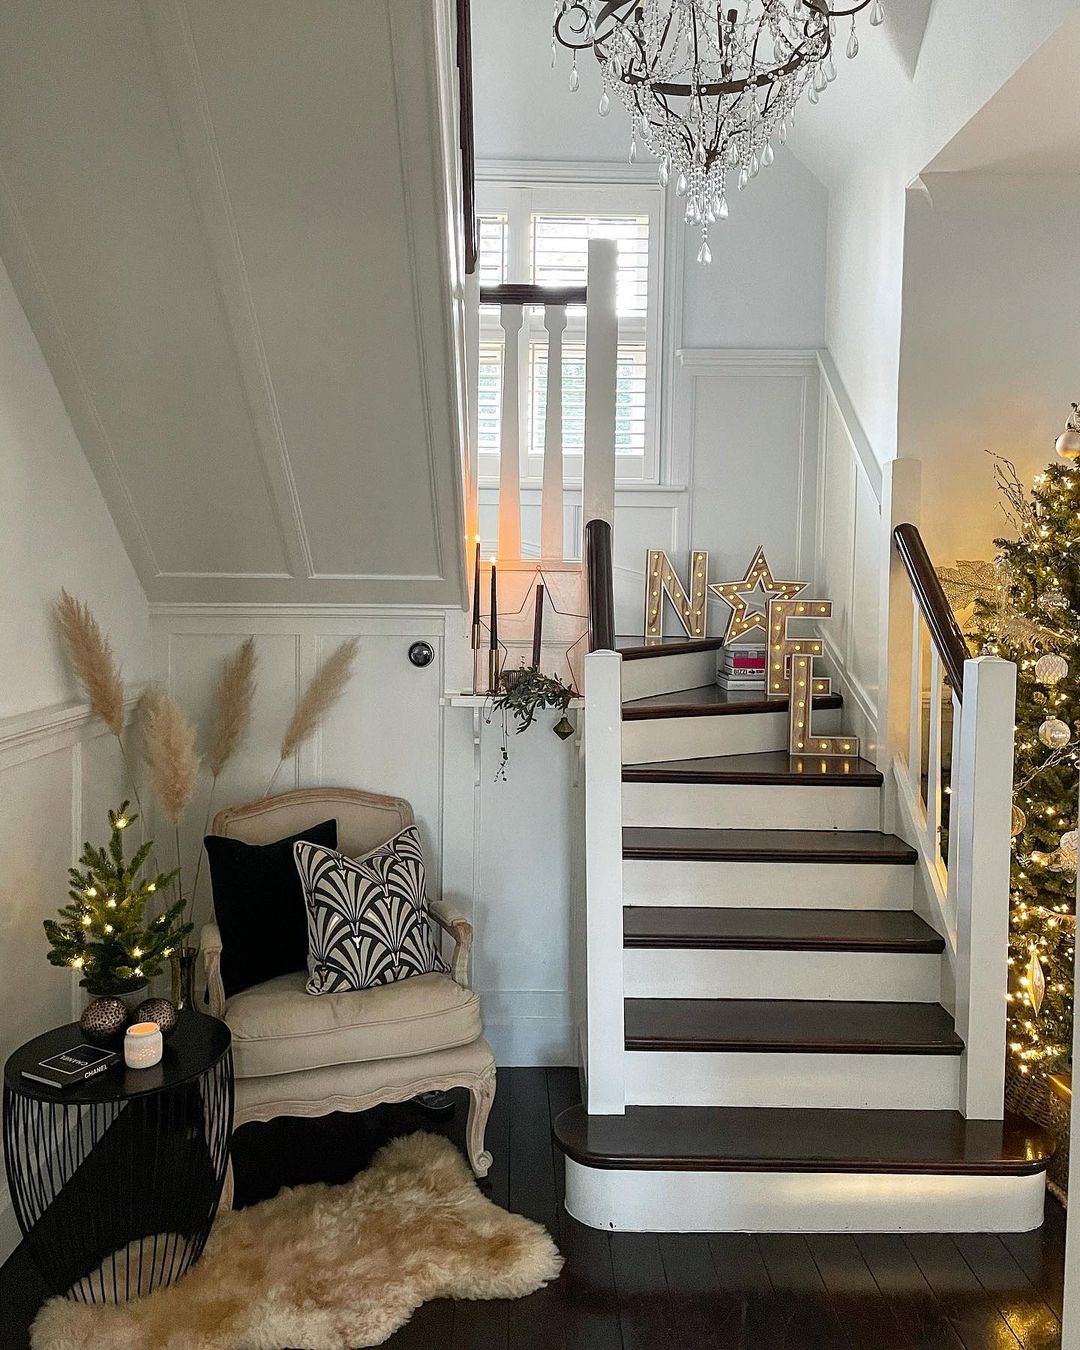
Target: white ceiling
{"x": 1032, "y": 124}
{"x": 227, "y": 222}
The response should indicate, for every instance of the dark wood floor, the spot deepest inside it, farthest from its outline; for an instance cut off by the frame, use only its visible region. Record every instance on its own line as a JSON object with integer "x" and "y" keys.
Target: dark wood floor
{"x": 640, "y": 1291}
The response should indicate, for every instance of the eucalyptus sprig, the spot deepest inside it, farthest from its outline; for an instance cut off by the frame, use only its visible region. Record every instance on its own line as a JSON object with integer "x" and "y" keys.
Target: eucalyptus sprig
{"x": 527, "y": 692}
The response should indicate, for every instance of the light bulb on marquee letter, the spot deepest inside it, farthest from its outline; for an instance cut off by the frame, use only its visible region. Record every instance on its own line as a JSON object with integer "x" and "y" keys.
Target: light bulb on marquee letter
{"x": 661, "y": 580}
{"x": 799, "y": 684}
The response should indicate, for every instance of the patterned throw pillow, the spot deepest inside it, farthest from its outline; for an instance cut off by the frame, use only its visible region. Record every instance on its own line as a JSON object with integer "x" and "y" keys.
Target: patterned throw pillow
{"x": 367, "y": 918}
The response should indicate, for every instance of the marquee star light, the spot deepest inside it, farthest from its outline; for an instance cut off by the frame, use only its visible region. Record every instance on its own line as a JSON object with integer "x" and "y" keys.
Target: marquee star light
{"x": 758, "y": 576}
{"x": 660, "y": 581}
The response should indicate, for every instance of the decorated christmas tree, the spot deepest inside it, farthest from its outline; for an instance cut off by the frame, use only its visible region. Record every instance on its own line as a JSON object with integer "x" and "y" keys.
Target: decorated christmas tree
{"x": 1026, "y": 608}
{"x": 103, "y": 932}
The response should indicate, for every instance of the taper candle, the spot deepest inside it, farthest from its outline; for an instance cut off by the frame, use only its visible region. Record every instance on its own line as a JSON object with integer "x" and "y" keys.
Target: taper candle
{"x": 493, "y": 622}
{"x": 538, "y": 625}
{"x": 476, "y": 597}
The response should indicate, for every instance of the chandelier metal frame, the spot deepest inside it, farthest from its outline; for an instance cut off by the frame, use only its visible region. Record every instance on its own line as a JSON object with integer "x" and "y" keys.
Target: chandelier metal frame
{"x": 706, "y": 90}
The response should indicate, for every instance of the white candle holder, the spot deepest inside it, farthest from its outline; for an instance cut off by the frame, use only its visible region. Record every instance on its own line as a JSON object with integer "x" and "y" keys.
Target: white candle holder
{"x": 142, "y": 1045}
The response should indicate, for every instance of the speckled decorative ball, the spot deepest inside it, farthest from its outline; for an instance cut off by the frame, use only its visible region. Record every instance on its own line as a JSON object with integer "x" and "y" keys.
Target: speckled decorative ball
{"x": 1051, "y": 668}
{"x": 158, "y": 1010}
{"x": 103, "y": 1020}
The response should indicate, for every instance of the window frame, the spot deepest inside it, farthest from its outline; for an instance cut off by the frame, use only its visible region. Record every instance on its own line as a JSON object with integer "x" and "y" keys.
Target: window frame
{"x": 520, "y": 200}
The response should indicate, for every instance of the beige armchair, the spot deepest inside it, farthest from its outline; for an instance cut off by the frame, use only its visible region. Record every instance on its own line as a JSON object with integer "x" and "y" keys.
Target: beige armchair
{"x": 297, "y": 1054}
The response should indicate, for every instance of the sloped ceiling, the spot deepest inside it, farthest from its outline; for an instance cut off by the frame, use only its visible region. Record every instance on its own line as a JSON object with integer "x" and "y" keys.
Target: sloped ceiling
{"x": 227, "y": 221}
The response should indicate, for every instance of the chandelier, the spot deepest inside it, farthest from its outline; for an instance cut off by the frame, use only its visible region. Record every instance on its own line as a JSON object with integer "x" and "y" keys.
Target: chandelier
{"x": 708, "y": 90}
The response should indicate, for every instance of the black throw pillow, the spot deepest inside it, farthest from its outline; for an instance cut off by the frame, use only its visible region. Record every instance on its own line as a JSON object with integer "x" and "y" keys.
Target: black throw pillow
{"x": 259, "y": 905}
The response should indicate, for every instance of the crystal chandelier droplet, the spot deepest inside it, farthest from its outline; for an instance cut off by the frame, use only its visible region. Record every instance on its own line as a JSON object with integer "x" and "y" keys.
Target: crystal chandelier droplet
{"x": 708, "y": 89}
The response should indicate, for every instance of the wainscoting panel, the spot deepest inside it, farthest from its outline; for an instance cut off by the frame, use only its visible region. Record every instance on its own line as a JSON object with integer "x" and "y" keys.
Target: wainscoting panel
{"x": 59, "y": 773}
{"x": 500, "y": 850}
{"x": 850, "y": 550}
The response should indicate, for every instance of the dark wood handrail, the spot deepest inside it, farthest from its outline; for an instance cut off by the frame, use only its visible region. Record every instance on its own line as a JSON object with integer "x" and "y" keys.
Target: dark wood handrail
{"x": 466, "y": 134}
{"x": 514, "y": 293}
{"x": 936, "y": 610}
{"x": 599, "y": 586}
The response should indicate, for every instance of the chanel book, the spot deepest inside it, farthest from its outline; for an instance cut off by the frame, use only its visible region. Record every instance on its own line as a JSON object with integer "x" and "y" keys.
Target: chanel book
{"x": 71, "y": 1067}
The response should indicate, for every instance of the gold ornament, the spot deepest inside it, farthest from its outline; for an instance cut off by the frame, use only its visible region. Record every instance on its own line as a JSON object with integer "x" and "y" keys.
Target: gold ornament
{"x": 1051, "y": 668}
{"x": 758, "y": 574}
{"x": 563, "y": 728}
{"x": 1054, "y": 733}
{"x": 1036, "y": 982}
{"x": 1065, "y": 858}
{"x": 969, "y": 581}
{"x": 1019, "y": 820}
{"x": 1068, "y": 443}
{"x": 1054, "y": 599}
{"x": 660, "y": 580}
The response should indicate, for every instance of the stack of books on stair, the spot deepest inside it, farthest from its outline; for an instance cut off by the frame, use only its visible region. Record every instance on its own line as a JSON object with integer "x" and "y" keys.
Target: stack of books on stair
{"x": 742, "y": 668}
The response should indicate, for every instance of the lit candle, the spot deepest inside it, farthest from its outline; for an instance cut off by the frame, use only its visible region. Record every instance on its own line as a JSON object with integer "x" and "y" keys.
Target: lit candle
{"x": 476, "y": 597}
{"x": 493, "y": 623}
{"x": 538, "y": 625}
{"x": 142, "y": 1045}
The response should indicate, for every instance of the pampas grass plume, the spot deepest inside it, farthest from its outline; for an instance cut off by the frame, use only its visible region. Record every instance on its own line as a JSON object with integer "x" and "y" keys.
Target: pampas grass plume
{"x": 91, "y": 654}
{"x": 326, "y": 687}
{"x": 232, "y": 713}
{"x": 169, "y": 745}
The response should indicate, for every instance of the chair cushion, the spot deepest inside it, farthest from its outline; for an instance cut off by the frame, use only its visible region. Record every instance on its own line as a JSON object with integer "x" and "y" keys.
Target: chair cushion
{"x": 259, "y": 905}
{"x": 277, "y": 1027}
{"x": 367, "y": 919}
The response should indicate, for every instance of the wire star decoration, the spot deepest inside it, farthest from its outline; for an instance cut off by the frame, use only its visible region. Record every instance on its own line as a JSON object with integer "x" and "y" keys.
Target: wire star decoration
{"x": 743, "y": 619}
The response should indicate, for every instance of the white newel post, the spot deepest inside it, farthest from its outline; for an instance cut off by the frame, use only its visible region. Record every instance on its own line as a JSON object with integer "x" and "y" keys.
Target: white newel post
{"x": 899, "y": 504}
{"x": 601, "y": 365}
{"x": 1070, "y": 1321}
{"x": 510, "y": 317}
{"x": 552, "y": 543}
{"x": 982, "y": 806}
{"x": 604, "y": 1040}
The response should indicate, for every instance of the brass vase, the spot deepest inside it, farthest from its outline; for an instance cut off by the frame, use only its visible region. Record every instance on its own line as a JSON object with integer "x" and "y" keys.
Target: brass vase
{"x": 182, "y": 964}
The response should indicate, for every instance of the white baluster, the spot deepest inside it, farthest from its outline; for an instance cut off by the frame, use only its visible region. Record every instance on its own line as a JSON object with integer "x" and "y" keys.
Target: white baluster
{"x": 510, "y": 317}
{"x": 552, "y": 534}
{"x": 601, "y": 366}
{"x": 933, "y": 764}
{"x": 915, "y": 722}
{"x": 982, "y": 806}
{"x": 605, "y": 1039}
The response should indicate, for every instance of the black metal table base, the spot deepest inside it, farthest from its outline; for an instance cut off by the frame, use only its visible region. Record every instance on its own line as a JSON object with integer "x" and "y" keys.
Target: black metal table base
{"x": 116, "y": 1197}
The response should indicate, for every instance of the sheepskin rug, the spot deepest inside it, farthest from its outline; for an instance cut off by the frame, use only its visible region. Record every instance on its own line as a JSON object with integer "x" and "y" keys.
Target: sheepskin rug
{"x": 328, "y": 1267}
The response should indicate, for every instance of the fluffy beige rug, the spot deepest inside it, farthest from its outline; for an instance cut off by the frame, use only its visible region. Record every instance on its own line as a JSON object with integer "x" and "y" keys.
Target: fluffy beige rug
{"x": 328, "y": 1267}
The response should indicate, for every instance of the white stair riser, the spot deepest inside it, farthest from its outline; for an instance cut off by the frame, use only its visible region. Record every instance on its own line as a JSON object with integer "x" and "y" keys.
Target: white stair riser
{"x": 768, "y": 885}
{"x": 826, "y": 976}
{"x": 746, "y": 806}
{"x": 636, "y": 1201}
{"x": 649, "y": 741}
{"x": 741, "y": 1078}
{"x": 667, "y": 674}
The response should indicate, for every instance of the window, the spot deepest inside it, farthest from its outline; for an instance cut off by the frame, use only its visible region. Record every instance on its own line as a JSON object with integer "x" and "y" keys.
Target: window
{"x": 542, "y": 235}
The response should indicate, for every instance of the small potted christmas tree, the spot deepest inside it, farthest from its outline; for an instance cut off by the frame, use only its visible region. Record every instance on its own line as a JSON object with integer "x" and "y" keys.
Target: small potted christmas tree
{"x": 104, "y": 933}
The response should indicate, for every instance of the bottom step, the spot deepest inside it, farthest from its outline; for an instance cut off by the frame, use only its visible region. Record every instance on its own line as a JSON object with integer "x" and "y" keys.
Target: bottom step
{"x": 719, "y": 1169}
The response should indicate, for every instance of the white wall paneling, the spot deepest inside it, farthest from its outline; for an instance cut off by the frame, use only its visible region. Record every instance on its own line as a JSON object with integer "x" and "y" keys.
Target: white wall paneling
{"x": 260, "y": 354}
{"x": 60, "y": 771}
{"x": 851, "y": 543}
{"x": 503, "y": 851}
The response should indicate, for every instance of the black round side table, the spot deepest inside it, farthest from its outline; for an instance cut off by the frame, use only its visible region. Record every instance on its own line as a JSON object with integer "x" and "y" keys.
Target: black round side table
{"x": 115, "y": 1183}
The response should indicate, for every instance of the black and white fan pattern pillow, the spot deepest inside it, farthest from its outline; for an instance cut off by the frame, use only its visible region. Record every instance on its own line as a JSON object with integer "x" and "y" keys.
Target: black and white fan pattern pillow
{"x": 367, "y": 919}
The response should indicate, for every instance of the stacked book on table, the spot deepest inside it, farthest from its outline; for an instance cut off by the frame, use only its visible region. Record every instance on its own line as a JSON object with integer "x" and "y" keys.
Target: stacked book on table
{"x": 743, "y": 668}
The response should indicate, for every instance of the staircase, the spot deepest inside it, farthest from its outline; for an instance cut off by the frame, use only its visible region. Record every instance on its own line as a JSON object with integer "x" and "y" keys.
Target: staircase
{"x": 767, "y": 1044}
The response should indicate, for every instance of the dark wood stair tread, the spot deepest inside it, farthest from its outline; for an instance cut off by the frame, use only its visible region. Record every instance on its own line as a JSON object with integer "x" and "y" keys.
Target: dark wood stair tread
{"x": 683, "y": 844}
{"x": 635, "y": 648}
{"x": 803, "y": 1026}
{"x": 711, "y": 700}
{"x": 763, "y": 768}
{"x": 771, "y": 1139}
{"x": 802, "y": 930}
